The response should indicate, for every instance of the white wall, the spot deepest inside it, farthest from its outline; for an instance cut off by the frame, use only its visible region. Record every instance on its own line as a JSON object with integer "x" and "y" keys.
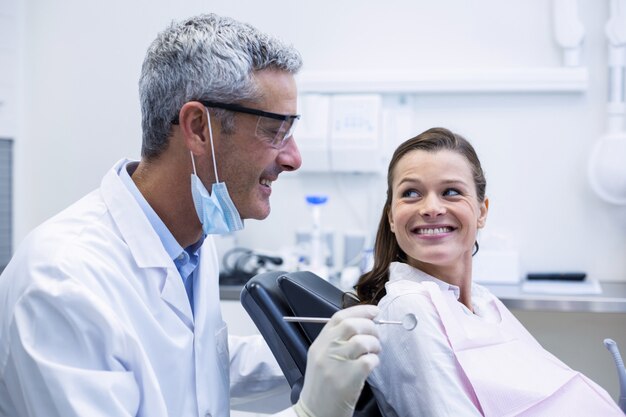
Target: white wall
{"x": 8, "y": 68}
{"x": 80, "y": 112}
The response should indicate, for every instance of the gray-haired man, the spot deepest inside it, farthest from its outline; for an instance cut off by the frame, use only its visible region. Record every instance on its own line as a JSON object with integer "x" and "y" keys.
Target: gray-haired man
{"x": 111, "y": 308}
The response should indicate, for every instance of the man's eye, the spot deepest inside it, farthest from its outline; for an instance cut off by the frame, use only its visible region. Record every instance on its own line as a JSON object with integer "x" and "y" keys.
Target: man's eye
{"x": 269, "y": 131}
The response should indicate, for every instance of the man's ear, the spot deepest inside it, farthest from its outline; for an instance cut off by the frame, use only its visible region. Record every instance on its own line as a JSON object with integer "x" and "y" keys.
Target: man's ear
{"x": 194, "y": 125}
{"x": 482, "y": 216}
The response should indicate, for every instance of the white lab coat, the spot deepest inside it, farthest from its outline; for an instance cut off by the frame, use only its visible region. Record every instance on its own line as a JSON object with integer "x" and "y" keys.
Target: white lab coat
{"x": 95, "y": 321}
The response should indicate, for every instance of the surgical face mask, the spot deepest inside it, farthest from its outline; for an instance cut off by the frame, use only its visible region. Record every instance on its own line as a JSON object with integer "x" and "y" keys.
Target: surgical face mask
{"x": 216, "y": 211}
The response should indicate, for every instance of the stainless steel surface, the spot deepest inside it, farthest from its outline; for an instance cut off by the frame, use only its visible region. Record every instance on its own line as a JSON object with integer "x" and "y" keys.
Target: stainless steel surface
{"x": 611, "y": 300}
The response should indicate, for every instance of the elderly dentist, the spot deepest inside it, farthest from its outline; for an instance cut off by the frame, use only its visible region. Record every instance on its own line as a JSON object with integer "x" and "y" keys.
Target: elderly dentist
{"x": 111, "y": 308}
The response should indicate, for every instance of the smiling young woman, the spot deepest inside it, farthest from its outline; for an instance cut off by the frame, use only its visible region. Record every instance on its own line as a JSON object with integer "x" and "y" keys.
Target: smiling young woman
{"x": 468, "y": 355}
{"x": 435, "y": 214}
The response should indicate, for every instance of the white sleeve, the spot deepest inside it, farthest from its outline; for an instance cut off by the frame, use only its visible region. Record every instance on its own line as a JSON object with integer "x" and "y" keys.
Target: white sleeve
{"x": 65, "y": 357}
{"x": 256, "y": 381}
{"x": 418, "y": 373}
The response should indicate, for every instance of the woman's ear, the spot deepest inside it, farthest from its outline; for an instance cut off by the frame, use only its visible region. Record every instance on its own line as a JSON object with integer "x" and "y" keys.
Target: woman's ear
{"x": 482, "y": 215}
{"x": 194, "y": 127}
{"x": 390, "y": 219}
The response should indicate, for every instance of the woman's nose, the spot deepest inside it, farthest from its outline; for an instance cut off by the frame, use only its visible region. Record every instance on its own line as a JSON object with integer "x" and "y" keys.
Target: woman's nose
{"x": 431, "y": 206}
{"x": 289, "y": 157}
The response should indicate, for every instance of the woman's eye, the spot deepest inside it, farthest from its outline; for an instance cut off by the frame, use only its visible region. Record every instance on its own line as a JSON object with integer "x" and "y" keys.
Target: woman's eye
{"x": 410, "y": 194}
{"x": 451, "y": 192}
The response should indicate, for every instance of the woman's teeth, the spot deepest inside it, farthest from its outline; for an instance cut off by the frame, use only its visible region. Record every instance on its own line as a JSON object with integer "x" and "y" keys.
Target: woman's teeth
{"x": 433, "y": 231}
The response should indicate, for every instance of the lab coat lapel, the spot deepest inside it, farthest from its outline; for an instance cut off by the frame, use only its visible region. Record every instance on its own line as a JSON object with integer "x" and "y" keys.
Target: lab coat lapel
{"x": 174, "y": 294}
{"x": 206, "y": 287}
{"x": 144, "y": 243}
{"x": 211, "y": 343}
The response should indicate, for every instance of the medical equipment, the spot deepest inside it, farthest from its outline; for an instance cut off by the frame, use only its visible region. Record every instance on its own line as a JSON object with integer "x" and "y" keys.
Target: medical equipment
{"x": 621, "y": 372}
{"x": 606, "y": 169}
{"x": 568, "y": 30}
{"x": 240, "y": 264}
{"x": 409, "y": 321}
{"x": 317, "y": 258}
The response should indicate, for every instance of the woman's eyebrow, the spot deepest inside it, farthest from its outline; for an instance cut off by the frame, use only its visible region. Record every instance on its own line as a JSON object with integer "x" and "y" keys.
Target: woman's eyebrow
{"x": 448, "y": 181}
{"x": 410, "y": 180}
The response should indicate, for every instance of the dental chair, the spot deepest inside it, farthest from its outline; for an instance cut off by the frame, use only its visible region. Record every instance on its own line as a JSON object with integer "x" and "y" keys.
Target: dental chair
{"x": 269, "y": 296}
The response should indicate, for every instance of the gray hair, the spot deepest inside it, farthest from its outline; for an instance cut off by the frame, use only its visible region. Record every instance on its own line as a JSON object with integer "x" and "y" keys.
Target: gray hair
{"x": 206, "y": 57}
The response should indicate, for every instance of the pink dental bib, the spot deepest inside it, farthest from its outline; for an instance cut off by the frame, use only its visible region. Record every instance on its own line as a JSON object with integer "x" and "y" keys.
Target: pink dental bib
{"x": 511, "y": 374}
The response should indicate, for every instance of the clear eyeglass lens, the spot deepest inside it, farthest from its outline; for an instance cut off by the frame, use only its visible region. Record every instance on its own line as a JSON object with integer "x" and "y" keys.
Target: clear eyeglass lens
{"x": 292, "y": 126}
{"x": 274, "y": 131}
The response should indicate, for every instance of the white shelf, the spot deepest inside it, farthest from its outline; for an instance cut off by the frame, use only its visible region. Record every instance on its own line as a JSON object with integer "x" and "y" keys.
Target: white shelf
{"x": 509, "y": 80}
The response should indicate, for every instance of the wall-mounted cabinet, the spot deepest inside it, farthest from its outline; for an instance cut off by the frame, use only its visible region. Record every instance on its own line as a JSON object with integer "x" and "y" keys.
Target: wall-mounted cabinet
{"x": 351, "y": 117}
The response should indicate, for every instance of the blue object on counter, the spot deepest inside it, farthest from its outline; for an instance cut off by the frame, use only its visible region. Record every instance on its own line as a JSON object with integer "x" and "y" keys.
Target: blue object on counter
{"x": 316, "y": 199}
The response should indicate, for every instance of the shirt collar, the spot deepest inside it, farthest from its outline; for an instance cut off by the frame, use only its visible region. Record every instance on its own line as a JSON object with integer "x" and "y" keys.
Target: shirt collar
{"x": 170, "y": 244}
{"x": 400, "y": 270}
{"x": 482, "y": 301}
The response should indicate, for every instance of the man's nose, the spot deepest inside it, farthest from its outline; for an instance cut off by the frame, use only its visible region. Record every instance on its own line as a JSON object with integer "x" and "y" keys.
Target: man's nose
{"x": 289, "y": 157}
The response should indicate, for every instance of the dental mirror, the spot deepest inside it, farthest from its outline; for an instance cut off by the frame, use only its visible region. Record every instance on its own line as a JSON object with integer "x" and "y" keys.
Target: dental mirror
{"x": 408, "y": 322}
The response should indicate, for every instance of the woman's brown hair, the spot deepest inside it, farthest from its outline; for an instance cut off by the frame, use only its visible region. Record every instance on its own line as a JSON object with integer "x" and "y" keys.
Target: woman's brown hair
{"x": 371, "y": 286}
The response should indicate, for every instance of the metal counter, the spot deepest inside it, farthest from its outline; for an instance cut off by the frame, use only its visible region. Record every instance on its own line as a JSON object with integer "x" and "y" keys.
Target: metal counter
{"x": 612, "y": 299}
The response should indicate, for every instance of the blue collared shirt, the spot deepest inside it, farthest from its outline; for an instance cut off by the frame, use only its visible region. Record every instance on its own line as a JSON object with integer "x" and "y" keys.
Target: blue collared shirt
{"x": 186, "y": 260}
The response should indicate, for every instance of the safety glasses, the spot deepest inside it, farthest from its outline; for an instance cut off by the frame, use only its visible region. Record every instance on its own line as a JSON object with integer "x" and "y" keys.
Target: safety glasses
{"x": 273, "y": 128}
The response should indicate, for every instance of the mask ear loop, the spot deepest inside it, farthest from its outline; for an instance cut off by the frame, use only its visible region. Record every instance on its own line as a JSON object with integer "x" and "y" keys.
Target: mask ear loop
{"x": 208, "y": 116}
{"x": 193, "y": 163}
